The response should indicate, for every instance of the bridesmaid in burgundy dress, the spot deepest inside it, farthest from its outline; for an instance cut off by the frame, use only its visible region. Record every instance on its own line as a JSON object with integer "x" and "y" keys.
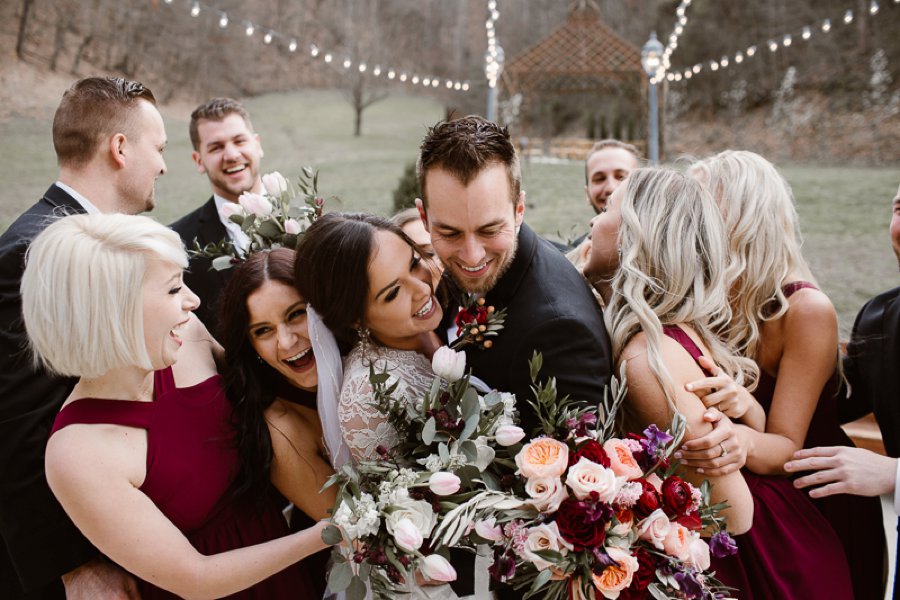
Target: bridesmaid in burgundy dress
{"x": 142, "y": 455}
{"x": 658, "y": 260}
{"x": 789, "y": 327}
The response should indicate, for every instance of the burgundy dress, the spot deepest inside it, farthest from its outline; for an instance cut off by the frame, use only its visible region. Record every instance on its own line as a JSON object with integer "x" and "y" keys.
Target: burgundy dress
{"x": 790, "y": 551}
{"x": 857, "y": 520}
{"x": 191, "y": 462}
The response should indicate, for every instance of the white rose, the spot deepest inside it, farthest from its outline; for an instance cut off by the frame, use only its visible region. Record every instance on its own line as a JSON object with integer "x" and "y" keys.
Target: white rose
{"x": 255, "y": 204}
{"x": 586, "y": 476}
{"x": 418, "y": 512}
{"x": 448, "y": 364}
{"x": 655, "y": 528}
{"x": 544, "y": 537}
{"x": 275, "y": 183}
{"x": 407, "y": 536}
{"x": 292, "y": 226}
{"x": 546, "y": 494}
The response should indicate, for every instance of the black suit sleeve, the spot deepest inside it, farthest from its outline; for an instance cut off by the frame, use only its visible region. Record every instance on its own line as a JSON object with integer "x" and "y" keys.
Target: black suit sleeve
{"x": 855, "y": 397}
{"x": 40, "y": 541}
{"x": 577, "y": 356}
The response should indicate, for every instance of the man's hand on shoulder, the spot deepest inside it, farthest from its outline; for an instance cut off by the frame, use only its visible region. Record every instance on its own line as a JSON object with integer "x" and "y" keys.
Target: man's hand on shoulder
{"x": 100, "y": 580}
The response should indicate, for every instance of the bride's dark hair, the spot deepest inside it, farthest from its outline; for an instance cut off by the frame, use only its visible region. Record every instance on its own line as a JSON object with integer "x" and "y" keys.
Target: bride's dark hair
{"x": 249, "y": 382}
{"x": 332, "y": 269}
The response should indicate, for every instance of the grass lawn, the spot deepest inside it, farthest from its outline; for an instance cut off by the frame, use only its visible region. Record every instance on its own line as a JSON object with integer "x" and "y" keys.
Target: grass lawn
{"x": 844, "y": 211}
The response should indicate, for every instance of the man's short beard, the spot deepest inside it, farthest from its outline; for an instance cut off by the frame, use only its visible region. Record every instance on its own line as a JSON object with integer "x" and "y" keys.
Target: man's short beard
{"x": 489, "y": 285}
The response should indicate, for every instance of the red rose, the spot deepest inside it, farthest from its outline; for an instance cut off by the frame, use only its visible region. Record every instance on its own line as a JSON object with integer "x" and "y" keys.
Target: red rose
{"x": 649, "y": 500}
{"x": 692, "y": 521}
{"x": 676, "y": 493}
{"x": 591, "y": 450}
{"x": 579, "y": 524}
{"x": 642, "y": 578}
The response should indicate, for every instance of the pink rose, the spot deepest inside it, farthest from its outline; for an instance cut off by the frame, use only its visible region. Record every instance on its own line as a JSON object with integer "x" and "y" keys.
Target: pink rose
{"x": 621, "y": 460}
{"x": 698, "y": 552}
{"x": 678, "y": 541}
{"x": 544, "y": 537}
{"x": 655, "y": 481}
{"x": 585, "y": 477}
{"x": 543, "y": 458}
{"x": 616, "y": 577}
{"x": 546, "y": 494}
{"x": 655, "y": 528}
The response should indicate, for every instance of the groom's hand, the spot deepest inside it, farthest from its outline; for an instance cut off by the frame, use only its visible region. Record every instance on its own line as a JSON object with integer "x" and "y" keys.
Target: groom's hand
{"x": 843, "y": 470}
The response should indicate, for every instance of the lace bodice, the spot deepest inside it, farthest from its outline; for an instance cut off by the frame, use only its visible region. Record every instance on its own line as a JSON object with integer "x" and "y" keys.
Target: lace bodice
{"x": 364, "y": 428}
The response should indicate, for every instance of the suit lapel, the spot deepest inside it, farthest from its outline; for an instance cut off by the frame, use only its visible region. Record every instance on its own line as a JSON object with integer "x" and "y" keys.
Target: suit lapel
{"x": 61, "y": 201}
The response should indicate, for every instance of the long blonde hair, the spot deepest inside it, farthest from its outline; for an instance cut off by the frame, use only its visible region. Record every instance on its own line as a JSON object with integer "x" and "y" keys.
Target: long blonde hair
{"x": 764, "y": 242}
{"x": 671, "y": 271}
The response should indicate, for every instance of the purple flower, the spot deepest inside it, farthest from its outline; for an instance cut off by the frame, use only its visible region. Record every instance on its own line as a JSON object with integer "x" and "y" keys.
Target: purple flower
{"x": 690, "y": 586}
{"x": 580, "y": 425}
{"x": 504, "y": 567}
{"x": 655, "y": 440}
{"x": 721, "y": 544}
{"x": 603, "y": 559}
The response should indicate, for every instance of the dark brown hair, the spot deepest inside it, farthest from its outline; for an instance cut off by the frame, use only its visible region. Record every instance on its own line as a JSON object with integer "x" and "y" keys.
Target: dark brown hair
{"x": 466, "y": 146}
{"x": 216, "y": 109}
{"x": 332, "y": 269}
{"x": 249, "y": 382}
{"x": 92, "y": 109}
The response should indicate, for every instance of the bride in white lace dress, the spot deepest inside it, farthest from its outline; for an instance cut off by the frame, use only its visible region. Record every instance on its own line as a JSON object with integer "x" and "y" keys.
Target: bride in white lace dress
{"x": 373, "y": 291}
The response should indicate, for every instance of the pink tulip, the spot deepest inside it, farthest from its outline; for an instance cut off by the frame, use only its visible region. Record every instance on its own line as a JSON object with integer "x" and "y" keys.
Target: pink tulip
{"x": 443, "y": 483}
{"x": 407, "y": 536}
{"x": 436, "y": 568}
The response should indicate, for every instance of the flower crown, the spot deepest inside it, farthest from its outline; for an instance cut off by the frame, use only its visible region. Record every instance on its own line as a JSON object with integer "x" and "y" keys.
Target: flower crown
{"x": 274, "y": 219}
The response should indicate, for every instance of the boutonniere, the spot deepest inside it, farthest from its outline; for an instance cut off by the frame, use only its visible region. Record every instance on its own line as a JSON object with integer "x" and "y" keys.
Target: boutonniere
{"x": 476, "y": 324}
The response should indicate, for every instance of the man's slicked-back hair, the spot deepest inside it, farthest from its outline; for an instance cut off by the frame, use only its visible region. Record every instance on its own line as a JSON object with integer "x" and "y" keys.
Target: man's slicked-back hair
{"x": 216, "y": 109}
{"x": 464, "y": 148}
{"x": 93, "y": 109}
{"x": 612, "y": 143}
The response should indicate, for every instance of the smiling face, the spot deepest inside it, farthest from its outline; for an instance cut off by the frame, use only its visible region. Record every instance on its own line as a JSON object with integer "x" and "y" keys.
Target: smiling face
{"x": 603, "y": 259}
{"x": 279, "y": 333}
{"x": 473, "y": 227}
{"x": 400, "y": 304}
{"x": 144, "y": 161}
{"x": 606, "y": 169}
{"x": 167, "y": 306}
{"x": 415, "y": 229}
{"x": 229, "y": 153}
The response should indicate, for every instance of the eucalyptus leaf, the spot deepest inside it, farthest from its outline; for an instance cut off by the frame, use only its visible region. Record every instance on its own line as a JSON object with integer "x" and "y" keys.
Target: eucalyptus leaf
{"x": 357, "y": 589}
{"x": 541, "y": 580}
{"x": 429, "y": 431}
{"x": 331, "y": 535}
{"x": 340, "y": 576}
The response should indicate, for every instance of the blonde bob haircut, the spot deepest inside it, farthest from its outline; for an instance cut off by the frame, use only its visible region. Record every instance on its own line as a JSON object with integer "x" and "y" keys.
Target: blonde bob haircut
{"x": 763, "y": 235}
{"x": 671, "y": 270}
{"x": 82, "y": 294}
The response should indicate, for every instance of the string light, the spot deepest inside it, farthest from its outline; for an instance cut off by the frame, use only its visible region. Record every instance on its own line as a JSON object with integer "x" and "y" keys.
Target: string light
{"x": 805, "y": 33}
{"x": 666, "y": 63}
{"x": 250, "y": 28}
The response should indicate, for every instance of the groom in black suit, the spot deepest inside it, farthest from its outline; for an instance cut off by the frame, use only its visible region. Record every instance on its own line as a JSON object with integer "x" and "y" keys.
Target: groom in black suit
{"x": 473, "y": 207}
{"x": 228, "y": 152}
{"x": 109, "y": 139}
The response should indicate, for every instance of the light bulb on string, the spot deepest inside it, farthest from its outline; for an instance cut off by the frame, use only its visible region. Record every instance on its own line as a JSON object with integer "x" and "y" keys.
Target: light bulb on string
{"x": 362, "y": 67}
{"x": 773, "y": 45}
{"x": 738, "y": 58}
{"x": 268, "y": 37}
{"x": 848, "y": 17}
{"x": 448, "y": 84}
{"x": 403, "y": 77}
{"x": 313, "y": 50}
{"x": 724, "y": 62}
{"x": 465, "y": 87}
{"x": 457, "y": 86}
{"x": 434, "y": 82}
{"x": 751, "y": 51}
{"x": 714, "y": 66}
{"x": 347, "y": 63}
{"x": 787, "y": 41}
{"x": 807, "y": 33}
{"x": 392, "y": 74}
{"x": 195, "y": 9}
{"x": 873, "y": 8}
{"x": 425, "y": 82}
{"x": 826, "y": 25}
{"x": 250, "y": 29}
{"x": 223, "y": 21}
{"x": 697, "y": 68}
{"x": 415, "y": 79}
{"x": 328, "y": 57}
{"x": 293, "y": 46}
{"x": 376, "y": 71}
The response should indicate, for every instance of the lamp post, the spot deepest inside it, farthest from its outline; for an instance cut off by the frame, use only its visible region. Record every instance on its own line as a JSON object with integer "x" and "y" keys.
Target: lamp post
{"x": 493, "y": 68}
{"x": 651, "y": 58}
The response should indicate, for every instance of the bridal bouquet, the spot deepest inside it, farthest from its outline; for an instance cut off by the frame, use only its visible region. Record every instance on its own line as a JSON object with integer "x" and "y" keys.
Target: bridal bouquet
{"x": 452, "y": 449}
{"x": 599, "y": 516}
{"x": 274, "y": 219}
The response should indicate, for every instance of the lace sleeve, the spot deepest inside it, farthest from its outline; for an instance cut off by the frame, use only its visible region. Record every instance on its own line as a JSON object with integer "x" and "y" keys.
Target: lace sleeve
{"x": 363, "y": 426}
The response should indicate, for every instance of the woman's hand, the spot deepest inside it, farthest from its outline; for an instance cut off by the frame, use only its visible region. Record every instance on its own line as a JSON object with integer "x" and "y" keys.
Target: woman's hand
{"x": 720, "y": 452}
{"x": 843, "y": 470}
{"x": 721, "y": 391}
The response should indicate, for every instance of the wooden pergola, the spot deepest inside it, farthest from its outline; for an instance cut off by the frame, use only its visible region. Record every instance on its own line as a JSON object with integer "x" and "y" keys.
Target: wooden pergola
{"x": 582, "y": 64}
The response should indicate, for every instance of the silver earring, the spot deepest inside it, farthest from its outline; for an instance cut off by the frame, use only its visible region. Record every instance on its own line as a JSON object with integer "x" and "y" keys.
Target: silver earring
{"x": 365, "y": 339}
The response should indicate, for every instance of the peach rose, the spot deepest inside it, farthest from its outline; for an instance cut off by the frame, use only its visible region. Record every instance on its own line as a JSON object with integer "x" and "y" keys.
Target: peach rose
{"x": 616, "y": 578}
{"x": 544, "y": 537}
{"x": 625, "y": 518}
{"x": 621, "y": 460}
{"x": 678, "y": 541}
{"x": 654, "y": 480}
{"x": 546, "y": 494}
{"x": 655, "y": 528}
{"x": 543, "y": 458}
{"x": 586, "y": 476}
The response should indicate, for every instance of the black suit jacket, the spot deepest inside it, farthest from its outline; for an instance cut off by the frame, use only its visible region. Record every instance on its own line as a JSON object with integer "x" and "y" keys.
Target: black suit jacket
{"x": 205, "y": 226}
{"x": 872, "y": 367}
{"x": 40, "y": 543}
{"x": 551, "y": 309}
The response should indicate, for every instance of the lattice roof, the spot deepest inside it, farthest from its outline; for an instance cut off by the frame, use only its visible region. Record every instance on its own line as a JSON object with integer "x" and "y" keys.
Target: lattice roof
{"x": 582, "y": 53}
